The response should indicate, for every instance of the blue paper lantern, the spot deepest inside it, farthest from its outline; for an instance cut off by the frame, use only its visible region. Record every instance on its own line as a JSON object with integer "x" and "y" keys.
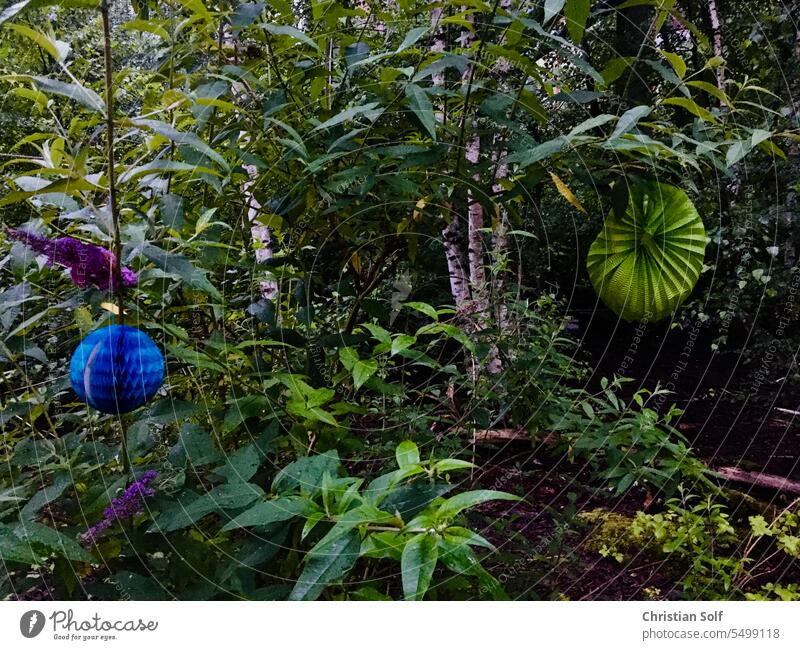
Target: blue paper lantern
{"x": 116, "y": 369}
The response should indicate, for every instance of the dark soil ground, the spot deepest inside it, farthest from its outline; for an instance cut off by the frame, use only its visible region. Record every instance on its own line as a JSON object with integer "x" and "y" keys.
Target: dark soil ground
{"x": 730, "y": 418}
{"x": 736, "y": 403}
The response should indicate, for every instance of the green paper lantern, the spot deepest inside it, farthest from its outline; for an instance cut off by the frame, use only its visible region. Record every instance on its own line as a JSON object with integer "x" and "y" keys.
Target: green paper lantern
{"x": 646, "y": 262}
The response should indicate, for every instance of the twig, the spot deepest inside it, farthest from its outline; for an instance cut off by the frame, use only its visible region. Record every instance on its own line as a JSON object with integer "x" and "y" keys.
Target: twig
{"x": 112, "y": 190}
{"x": 117, "y": 286}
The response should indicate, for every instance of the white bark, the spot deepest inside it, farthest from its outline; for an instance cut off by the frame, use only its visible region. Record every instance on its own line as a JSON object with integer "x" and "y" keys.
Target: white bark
{"x": 459, "y": 282}
{"x": 477, "y": 268}
{"x": 261, "y": 235}
{"x": 500, "y": 250}
{"x": 451, "y": 233}
{"x": 719, "y": 50}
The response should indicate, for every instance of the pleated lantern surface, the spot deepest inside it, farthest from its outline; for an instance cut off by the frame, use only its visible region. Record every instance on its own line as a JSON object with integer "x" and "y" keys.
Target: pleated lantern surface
{"x": 646, "y": 262}
{"x": 116, "y": 369}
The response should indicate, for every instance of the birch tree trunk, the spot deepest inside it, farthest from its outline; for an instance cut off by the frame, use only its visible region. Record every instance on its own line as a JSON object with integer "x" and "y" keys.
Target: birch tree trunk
{"x": 260, "y": 234}
{"x": 451, "y": 233}
{"x": 719, "y": 50}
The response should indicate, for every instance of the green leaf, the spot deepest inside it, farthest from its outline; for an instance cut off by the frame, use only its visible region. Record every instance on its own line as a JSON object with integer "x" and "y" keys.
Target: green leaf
{"x": 364, "y": 514}
{"x": 759, "y": 526}
{"x": 423, "y": 307}
{"x": 412, "y": 37}
{"x": 455, "y": 505}
{"x": 417, "y": 565}
{"x": 195, "y": 448}
{"x": 737, "y": 151}
{"x": 194, "y": 357}
{"x": 38, "y": 186}
{"x": 346, "y": 115}
{"x": 539, "y": 152}
{"x": 551, "y": 9}
{"x": 14, "y": 550}
{"x": 139, "y": 587}
{"x": 402, "y": 342}
{"x": 303, "y": 410}
{"x": 614, "y": 69}
{"x": 291, "y": 32}
{"x": 363, "y": 370}
{"x": 197, "y": 8}
{"x": 629, "y": 119}
{"x": 465, "y": 536}
{"x": 183, "y": 514}
{"x": 177, "y": 264}
{"x": 576, "y": 13}
{"x": 164, "y": 166}
{"x": 305, "y": 474}
{"x": 692, "y": 107}
{"x": 530, "y": 102}
{"x": 460, "y": 559}
{"x": 180, "y": 138}
{"x": 591, "y": 123}
{"x": 240, "y": 465}
{"x": 356, "y": 52}
{"x": 406, "y": 454}
{"x": 147, "y": 26}
{"x": 241, "y": 409}
{"x": 452, "y": 464}
{"x": 677, "y": 63}
{"x": 84, "y": 96}
{"x": 246, "y": 14}
{"x": 57, "y": 49}
{"x": 269, "y": 512}
{"x": 32, "y": 532}
{"x": 46, "y": 495}
{"x": 326, "y": 567}
{"x": 409, "y": 500}
{"x": 378, "y": 332}
{"x": 422, "y": 107}
{"x": 712, "y": 90}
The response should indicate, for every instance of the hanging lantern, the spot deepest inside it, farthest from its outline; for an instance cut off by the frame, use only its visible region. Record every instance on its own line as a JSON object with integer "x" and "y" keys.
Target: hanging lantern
{"x": 646, "y": 262}
{"x": 116, "y": 369}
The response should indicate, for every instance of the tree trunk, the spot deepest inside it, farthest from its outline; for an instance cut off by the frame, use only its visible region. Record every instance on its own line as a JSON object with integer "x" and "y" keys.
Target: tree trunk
{"x": 632, "y": 32}
{"x": 716, "y": 28}
{"x": 459, "y": 282}
{"x": 260, "y": 234}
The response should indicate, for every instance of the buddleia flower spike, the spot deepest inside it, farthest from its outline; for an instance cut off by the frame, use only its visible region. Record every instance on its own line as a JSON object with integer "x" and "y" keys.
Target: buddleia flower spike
{"x": 89, "y": 264}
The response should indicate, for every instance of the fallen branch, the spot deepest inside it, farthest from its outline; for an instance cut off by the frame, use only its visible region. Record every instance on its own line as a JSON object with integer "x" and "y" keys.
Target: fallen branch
{"x": 490, "y": 436}
{"x": 787, "y": 411}
{"x": 499, "y": 435}
{"x": 760, "y": 479}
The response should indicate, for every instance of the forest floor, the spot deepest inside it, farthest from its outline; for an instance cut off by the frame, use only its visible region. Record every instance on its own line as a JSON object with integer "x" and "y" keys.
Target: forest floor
{"x": 730, "y": 417}
{"x": 554, "y": 549}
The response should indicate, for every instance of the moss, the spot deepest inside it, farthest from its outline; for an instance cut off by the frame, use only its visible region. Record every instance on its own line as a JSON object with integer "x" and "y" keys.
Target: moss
{"x": 611, "y": 534}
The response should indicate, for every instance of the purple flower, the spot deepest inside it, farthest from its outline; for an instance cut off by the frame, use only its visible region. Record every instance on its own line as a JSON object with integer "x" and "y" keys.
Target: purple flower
{"x": 128, "y": 504}
{"x": 88, "y": 263}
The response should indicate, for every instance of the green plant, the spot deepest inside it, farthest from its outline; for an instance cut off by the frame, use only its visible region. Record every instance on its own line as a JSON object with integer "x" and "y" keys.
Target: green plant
{"x": 310, "y": 528}
{"x": 630, "y": 443}
{"x": 707, "y": 544}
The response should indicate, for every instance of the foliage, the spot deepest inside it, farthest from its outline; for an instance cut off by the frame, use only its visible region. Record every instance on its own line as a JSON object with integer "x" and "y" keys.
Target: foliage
{"x": 284, "y": 175}
{"x": 631, "y": 443}
{"x": 233, "y": 528}
{"x": 701, "y": 537}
